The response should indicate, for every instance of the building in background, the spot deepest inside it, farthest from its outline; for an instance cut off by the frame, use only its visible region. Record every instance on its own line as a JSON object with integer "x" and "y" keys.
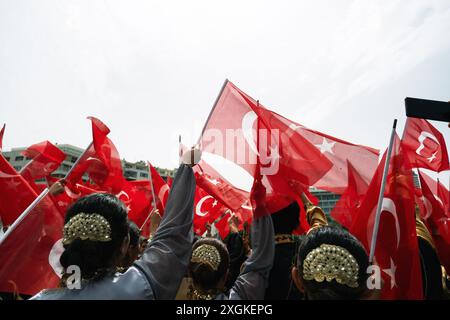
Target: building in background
{"x": 131, "y": 171}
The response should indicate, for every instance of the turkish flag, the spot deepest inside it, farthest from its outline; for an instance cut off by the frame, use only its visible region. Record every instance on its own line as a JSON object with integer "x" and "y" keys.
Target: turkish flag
{"x": 347, "y": 206}
{"x": 310, "y": 150}
{"x": 207, "y": 209}
{"x": 29, "y": 256}
{"x": 216, "y": 185}
{"x": 397, "y": 252}
{"x": 46, "y": 158}
{"x": 439, "y": 191}
{"x": 16, "y": 194}
{"x": 228, "y": 131}
{"x": 160, "y": 188}
{"x": 425, "y": 145}
{"x": 137, "y": 197}
{"x": 101, "y": 161}
{"x": 437, "y": 222}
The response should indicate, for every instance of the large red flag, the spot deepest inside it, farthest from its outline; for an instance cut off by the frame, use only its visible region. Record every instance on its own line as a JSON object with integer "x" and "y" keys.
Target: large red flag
{"x": 396, "y": 252}
{"x": 45, "y": 158}
{"x": 29, "y": 256}
{"x": 425, "y": 145}
{"x": 304, "y": 146}
{"x": 437, "y": 222}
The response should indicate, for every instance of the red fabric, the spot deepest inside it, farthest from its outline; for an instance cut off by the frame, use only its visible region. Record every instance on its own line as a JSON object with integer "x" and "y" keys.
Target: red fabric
{"x": 437, "y": 222}
{"x": 396, "y": 251}
{"x": 347, "y": 206}
{"x": 101, "y": 161}
{"x": 223, "y": 227}
{"x": 425, "y": 145}
{"x": 137, "y": 197}
{"x": 25, "y": 254}
{"x": 161, "y": 189}
{"x": 16, "y": 194}
{"x": 46, "y": 158}
{"x": 216, "y": 185}
{"x": 1, "y": 136}
{"x": 206, "y": 210}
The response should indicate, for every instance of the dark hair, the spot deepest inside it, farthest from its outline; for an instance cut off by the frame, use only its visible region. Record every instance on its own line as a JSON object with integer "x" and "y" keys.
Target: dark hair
{"x": 286, "y": 220}
{"x": 333, "y": 290}
{"x": 135, "y": 233}
{"x": 204, "y": 277}
{"x": 94, "y": 258}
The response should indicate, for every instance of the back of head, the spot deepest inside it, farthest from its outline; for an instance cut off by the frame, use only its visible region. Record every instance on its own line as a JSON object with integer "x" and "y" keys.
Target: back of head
{"x": 332, "y": 264}
{"x": 208, "y": 265}
{"x": 286, "y": 220}
{"x": 94, "y": 231}
{"x": 135, "y": 234}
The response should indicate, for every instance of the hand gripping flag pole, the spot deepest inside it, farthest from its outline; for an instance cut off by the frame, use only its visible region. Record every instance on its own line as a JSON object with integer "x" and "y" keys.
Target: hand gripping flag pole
{"x": 381, "y": 195}
{"x": 38, "y": 199}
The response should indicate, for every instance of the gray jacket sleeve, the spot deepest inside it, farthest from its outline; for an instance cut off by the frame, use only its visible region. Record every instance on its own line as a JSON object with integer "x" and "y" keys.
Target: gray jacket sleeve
{"x": 166, "y": 258}
{"x": 253, "y": 280}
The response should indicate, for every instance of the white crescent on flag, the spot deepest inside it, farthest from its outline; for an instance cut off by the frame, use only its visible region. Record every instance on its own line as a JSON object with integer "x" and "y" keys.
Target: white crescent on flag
{"x": 53, "y": 257}
{"x": 389, "y": 206}
{"x": 423, "y": 136}
{"x": 198, "y": 207}
{"x": 247, "y": 129}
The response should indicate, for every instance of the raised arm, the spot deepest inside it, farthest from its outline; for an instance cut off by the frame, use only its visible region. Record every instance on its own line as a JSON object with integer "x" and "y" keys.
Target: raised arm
{"x": 253, "y": 280}
{"x": 166, "y": 258}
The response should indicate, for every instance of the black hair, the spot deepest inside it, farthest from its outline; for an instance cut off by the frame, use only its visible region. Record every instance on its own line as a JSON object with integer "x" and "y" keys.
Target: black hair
{"x": 204, "y": 277}
{"x": 333, "y": 290}
{"x": 286, "y": 220}
{"x": 135, "y": 233}
{"x": 94, "y": 258}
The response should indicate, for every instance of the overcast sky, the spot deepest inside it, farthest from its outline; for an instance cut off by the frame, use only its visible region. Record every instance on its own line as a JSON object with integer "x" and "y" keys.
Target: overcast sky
{"x": 152, "y": 69}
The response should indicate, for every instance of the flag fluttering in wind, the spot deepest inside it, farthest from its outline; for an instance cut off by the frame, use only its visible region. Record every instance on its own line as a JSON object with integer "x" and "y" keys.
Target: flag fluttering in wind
{"x": 425, "y": 145}
{"x": 45, "y": 158}
{"x": 29, "y": 256}
{"x": 16, "y": 194}
{"x": 437, "y": 222}
{"x": 396, "y": 251}
{"x": 348, "y": 204}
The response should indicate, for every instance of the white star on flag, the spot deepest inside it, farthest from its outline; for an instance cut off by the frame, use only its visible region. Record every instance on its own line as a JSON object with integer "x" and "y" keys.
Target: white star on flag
{"x": 430, "y": 159}
{"x": 391, "y": 273}
{"x": 326, "y": 146}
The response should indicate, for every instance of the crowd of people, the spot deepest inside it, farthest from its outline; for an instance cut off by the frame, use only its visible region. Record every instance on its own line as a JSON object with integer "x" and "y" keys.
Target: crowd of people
{"x": 266, "y": 262}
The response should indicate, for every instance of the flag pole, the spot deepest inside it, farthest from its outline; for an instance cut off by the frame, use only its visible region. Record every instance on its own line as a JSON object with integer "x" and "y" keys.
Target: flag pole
{"x": 38, "y": 199}
{"x": 381, "y": 195}
{"x": 212, "y": 110}
{"x": 24, "y": 214}
{"x": 78, "y": 160}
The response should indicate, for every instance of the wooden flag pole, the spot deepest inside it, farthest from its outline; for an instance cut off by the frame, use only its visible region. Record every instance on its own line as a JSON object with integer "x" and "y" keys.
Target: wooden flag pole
{"x": 381, "y": 195}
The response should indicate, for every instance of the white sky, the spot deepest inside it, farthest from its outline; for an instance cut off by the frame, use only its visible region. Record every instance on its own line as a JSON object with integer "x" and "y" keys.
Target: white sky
{"x": 152, "y": 69}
